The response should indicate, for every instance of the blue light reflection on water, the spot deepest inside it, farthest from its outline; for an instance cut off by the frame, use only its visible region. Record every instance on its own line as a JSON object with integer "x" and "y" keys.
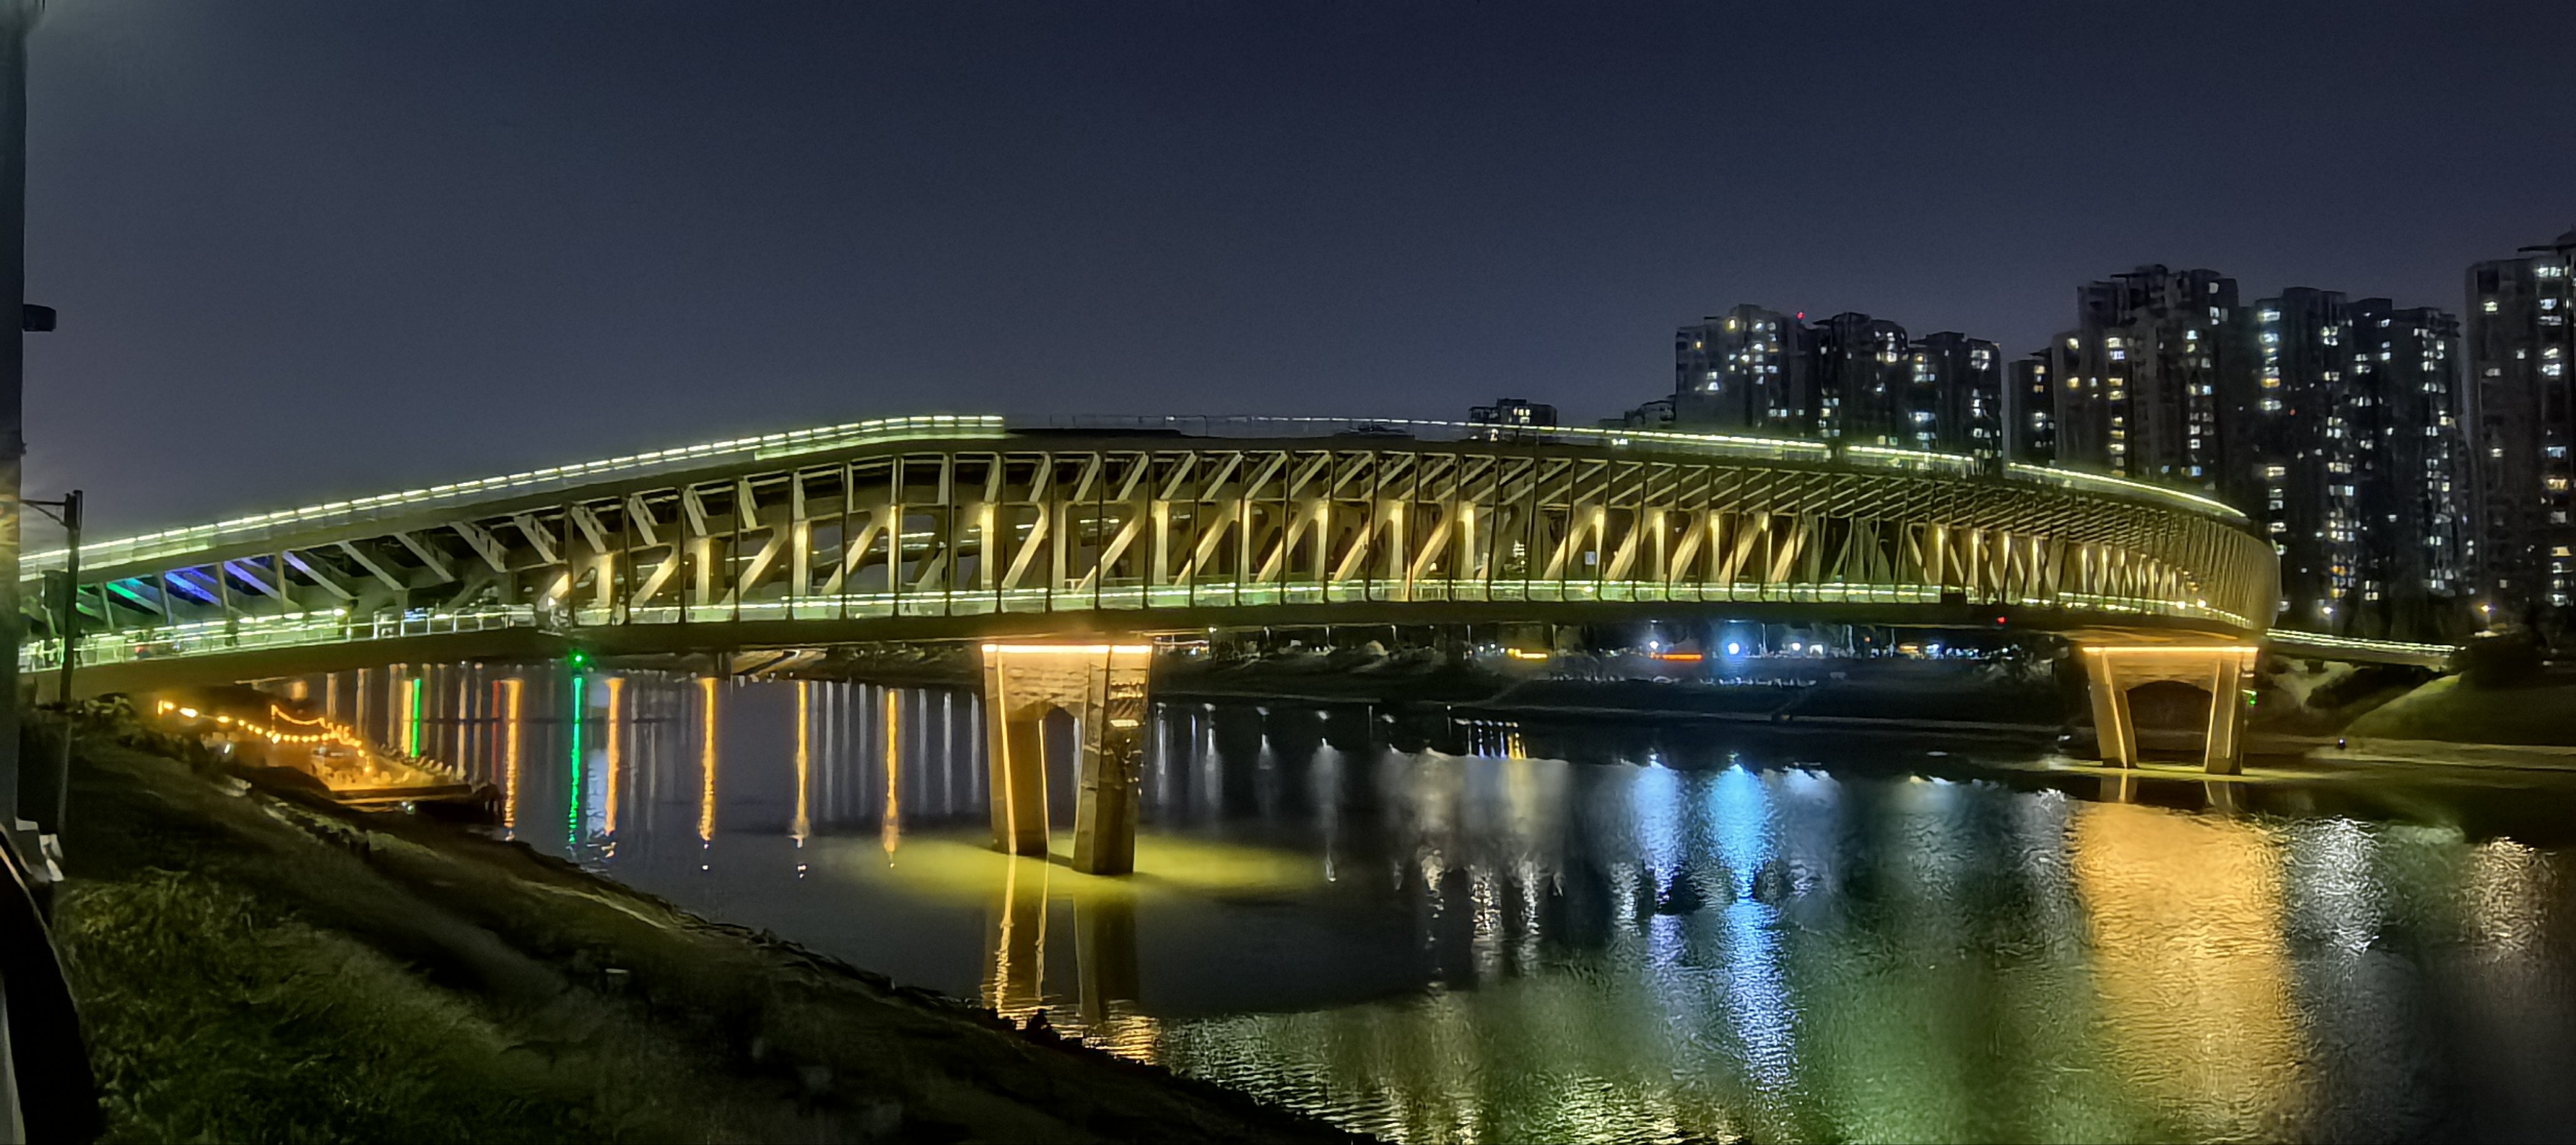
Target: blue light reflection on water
{"x": 1740, "y": 817}
{"x": 1416, "y": 928}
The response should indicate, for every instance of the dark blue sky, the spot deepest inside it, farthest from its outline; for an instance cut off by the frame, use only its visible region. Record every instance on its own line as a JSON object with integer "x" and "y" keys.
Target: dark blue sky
{"x": 304, "y": 250}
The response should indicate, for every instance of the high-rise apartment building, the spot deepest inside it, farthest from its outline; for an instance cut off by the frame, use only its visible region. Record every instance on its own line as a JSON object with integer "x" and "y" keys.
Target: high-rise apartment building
{"x": 2352, "y": 463}
{"x": 2141, "y": 382}
{"x": 2416, "y": 521}
{"x": 1850, "y": 377}
{"x": 1512, "y": 419}
{"x": 1955, "y": 395}
{"x": 1741, "y": 370}
{"x": 2312, "y": 452}
{"x": 1861, "y": 373}
{"x": 2030, "y": 410}
{"x": 2523, "y": 424}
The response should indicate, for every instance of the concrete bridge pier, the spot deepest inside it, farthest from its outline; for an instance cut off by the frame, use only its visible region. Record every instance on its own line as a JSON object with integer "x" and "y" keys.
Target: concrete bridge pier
{"x": 1103, "y": 687}
{"x": 2220, "y": 668}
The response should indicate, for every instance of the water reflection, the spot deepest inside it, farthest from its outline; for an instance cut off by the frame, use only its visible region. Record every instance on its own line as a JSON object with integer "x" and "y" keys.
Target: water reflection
{"x": 2189, "y": 963}
{"x": 1439, "y": 930}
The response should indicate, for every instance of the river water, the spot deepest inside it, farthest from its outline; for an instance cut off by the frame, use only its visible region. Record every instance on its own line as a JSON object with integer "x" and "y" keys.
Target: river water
{"x": 1434, "y": 930}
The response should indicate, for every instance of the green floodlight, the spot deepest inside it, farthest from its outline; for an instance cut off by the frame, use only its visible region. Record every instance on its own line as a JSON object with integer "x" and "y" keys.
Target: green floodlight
{"x": 578, "y": 658}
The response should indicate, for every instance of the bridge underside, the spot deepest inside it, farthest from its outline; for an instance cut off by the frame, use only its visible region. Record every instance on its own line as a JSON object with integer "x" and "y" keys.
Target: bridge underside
{"x": 510, "y": 643}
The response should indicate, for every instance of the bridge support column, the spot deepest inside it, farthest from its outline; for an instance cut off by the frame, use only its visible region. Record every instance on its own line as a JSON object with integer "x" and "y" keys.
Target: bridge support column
{"x": 1103, "y": 687}
{"x": 2114, "y": 669}
{"x": 2115, "y": 738}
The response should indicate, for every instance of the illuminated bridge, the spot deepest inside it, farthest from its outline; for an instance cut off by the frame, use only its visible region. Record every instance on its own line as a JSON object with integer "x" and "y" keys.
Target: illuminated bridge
{"x": 948, "y": 527}
{"x": 955, "y": 527}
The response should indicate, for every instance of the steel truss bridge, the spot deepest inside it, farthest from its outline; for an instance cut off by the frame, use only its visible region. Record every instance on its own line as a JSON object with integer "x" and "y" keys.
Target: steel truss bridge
{"x": 957, "y": 526}
{"x": 952, "y": 528}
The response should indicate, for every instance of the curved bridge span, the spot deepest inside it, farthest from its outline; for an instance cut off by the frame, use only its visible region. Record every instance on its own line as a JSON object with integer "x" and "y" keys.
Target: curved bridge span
{"x": 970, "y": 527}
{"x": 959, "y": 527}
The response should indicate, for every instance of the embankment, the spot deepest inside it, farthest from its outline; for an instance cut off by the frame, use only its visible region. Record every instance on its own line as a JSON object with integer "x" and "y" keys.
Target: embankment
{"x": 262, "y": 965}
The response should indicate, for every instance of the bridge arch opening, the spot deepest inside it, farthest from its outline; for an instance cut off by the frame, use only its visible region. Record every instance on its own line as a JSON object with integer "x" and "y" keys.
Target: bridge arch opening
{"x": 2162, "y": 681}
{"x": 2170, "y": 706}
{"x": 1060, "y": 737}
{"x": 1099, "y": 691}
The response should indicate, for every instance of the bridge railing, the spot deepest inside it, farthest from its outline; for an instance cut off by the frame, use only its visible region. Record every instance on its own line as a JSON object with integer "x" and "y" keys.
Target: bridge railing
{"x": 2291, "y": 642}
{"x": 1747, "y": 446}
{"x": 283, "y": 522}
{"x": 2083, "y": 482}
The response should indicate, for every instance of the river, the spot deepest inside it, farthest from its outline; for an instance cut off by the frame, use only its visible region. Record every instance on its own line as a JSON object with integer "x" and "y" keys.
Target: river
{"x": 1437, "y": 930}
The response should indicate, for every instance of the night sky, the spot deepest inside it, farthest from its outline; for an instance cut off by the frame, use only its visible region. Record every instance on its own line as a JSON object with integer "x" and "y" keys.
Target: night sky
{"x": 307, "y": 250}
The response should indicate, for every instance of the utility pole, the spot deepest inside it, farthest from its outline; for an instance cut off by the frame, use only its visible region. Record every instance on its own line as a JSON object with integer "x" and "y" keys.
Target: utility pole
{"x": 17, "y": 18}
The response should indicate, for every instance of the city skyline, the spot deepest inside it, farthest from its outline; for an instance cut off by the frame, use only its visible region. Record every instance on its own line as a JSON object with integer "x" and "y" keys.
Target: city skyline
{"x": 2343, "y": 427}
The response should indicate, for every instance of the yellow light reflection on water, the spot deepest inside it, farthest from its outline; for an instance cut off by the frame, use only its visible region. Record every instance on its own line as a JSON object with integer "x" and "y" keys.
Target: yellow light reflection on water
{"x": 1021, "y": 890}
{"x": 616, "y": 745}
{"x": 510, "y": 752}
{"x": 1016, "y": 986}
{"x": 804, "y": 825}
{"x": 707, "y": 761}
{"x": 890, "y": 828}
{"x": 2190, "y": 965}
{"x": 945, "y": 867}
{"x": 1021, "y": 894}
{"x": 404, "y": 699}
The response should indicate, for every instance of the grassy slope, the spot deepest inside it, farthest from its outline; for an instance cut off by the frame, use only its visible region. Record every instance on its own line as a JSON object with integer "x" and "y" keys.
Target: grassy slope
{"x": 2451, "y": 709}
{"x": 215, "y": 1018}
{"x": 254, "y": 968}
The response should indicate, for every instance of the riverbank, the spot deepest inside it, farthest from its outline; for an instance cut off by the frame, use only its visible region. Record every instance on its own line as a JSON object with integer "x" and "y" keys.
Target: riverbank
{"x": 258, "y": 964}
{"x": 2533, "y": 713}
{"x": 2338, "y": 715}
